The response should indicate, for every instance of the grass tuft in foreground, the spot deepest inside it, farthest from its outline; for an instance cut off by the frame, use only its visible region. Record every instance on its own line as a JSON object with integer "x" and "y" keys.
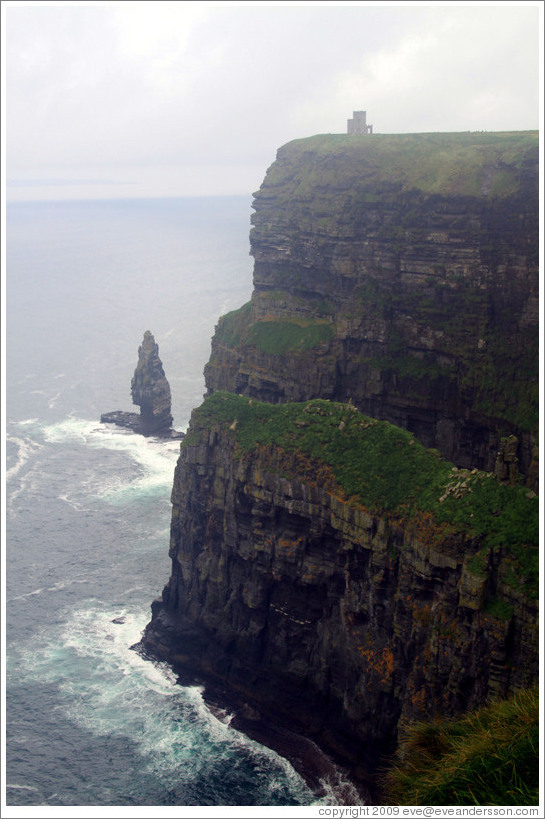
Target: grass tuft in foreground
{"x": 490, "y": 757}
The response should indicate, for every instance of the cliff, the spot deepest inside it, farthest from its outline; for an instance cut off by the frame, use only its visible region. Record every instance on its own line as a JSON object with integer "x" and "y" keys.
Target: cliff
{"x": 399, "y": 271}
{"x": 341, "y": 579}
{"x": 354, "y": 534}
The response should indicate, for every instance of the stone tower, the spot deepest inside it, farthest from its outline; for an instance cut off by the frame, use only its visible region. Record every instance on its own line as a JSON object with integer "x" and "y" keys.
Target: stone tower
{"x": 358, "y": 124}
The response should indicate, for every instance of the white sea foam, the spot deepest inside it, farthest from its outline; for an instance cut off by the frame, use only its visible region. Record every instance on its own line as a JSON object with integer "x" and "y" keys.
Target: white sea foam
{"x": 53, "y": 401}
{"x": 26, "y": 449}
{"x": 68, "y": 498}
{"x": 142, "y": 466}
{"x": 338, "y": 790}
{"x": 21, "y": 787}
{"x": 69, "y": 429}
{"x": 20, "y": 472}
{"x": 112, "y": 691}
{"x": 153, "y": 461}
{"x": 60, "y": 586}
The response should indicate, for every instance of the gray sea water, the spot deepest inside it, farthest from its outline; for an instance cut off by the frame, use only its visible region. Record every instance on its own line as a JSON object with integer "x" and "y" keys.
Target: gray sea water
{"x": 88, "y": 721}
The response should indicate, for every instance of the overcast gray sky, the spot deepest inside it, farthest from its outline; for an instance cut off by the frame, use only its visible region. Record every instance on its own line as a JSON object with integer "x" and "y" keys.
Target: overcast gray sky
{"x": 188, "y": 98}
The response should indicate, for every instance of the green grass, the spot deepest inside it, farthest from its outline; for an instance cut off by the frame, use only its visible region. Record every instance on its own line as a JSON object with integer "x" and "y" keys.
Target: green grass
{"x": 280, "y": 337}
{"x": 461, "y": 164}
{"x": 490, "y": 757}
{"x": 273, "y": 337}
{"x": 499, "y": 609}
{"x": 233, "y": 327}
{"x": 385, "y": 469}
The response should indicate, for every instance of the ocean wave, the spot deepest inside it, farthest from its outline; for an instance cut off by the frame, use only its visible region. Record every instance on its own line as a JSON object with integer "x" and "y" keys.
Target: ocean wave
{"x": 139, "y": 466}
{"x": 110, "y": 690}
{"x": 60, "y": 586}
{"x": 21, "y": 787}
{"x": 153, "y": 460}
{"x": 23, "y": 451}
{"x": 26, "y": 449}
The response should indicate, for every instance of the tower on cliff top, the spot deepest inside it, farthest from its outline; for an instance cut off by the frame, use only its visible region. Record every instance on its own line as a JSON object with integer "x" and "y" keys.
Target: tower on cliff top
{"x": 358, "y": 124}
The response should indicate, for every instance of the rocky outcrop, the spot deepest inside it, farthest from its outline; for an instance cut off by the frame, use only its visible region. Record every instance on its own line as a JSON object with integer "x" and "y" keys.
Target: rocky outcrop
{"x": 343, "y": 615}
{"x": 399, "y": 271}
{"x": 150, "y": 391}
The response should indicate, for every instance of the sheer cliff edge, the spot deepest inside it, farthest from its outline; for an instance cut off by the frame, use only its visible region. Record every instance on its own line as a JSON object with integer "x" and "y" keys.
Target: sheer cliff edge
{"x": 399, "y": 271}
{"x": 354, "y": 534}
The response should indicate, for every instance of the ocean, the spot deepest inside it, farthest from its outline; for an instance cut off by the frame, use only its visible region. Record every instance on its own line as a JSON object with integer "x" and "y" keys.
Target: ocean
{"x": 89, "y": 722}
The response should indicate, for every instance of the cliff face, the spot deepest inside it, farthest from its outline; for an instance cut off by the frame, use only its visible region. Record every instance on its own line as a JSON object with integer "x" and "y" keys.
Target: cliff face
{"x": 328, "y": 569}
{"x": 336, "y": 600}
{"x": 400, "y": 272}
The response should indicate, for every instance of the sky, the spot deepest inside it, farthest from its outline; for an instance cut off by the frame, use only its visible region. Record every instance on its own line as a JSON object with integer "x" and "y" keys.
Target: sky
{"x": 136, "y": 99}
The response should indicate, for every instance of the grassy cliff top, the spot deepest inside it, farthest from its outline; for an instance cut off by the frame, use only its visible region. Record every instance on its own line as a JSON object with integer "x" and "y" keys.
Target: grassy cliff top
{"x": 476, "y": 164}
{"x": 384, "y": 469}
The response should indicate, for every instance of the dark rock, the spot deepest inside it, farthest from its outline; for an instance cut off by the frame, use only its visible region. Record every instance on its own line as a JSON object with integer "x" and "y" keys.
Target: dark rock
{"x": 129, "y": 420}
{"x": 150, "y": 391}
{"x": 316, "y": 615}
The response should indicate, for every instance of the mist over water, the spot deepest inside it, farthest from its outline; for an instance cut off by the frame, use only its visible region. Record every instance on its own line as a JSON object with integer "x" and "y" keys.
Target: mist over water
{"x": 89, "y": 722}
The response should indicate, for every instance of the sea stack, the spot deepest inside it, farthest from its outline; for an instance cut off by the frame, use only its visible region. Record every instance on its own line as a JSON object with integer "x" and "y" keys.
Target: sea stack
{"x": 150, "y": 391}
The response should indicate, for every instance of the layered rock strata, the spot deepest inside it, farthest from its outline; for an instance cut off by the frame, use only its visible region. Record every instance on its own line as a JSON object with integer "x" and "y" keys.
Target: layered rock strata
{"x": 335, "y": 614}
{"x": 400, "y": 272}
{"x": 329, "y": 572}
